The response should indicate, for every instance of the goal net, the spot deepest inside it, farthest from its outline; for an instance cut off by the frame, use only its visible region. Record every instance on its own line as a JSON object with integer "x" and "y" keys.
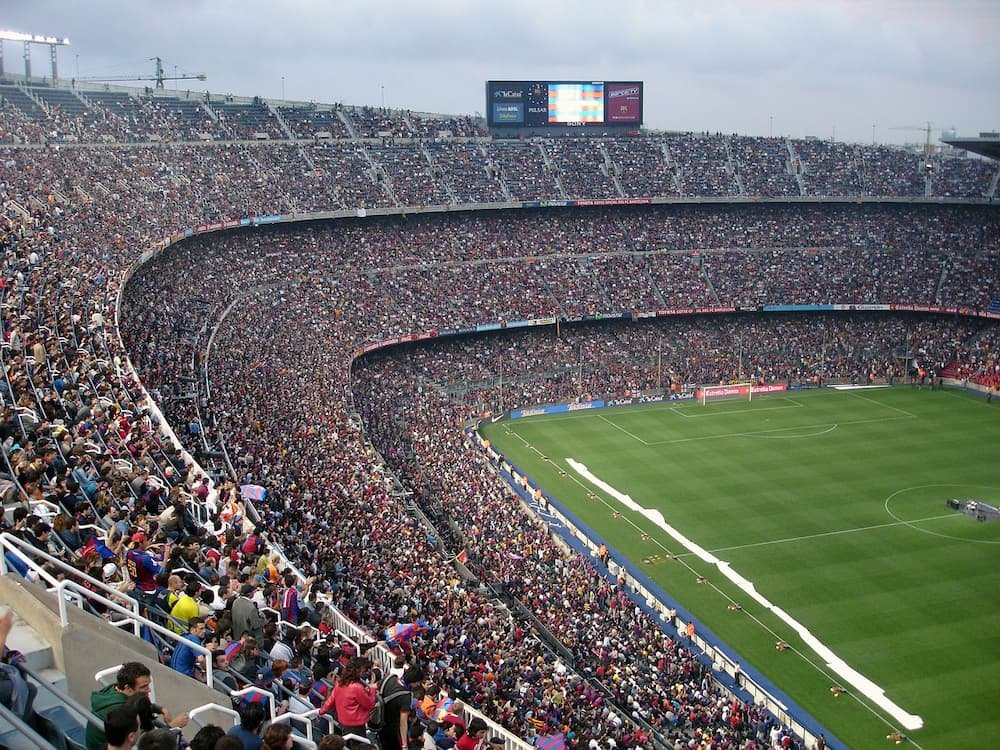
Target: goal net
{"x": 733, "y": 390}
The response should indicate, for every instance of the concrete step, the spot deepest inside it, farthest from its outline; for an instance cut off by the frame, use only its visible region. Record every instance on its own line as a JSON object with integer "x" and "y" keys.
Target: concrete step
{"x": 38, "y": 656}
{"x": 46, "y": 698}
{"x": 12, "y": 738}
{"x": 24, "y": 638}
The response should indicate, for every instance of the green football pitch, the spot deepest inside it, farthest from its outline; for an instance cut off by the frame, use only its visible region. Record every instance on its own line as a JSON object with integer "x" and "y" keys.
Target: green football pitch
{"x": 834, "y": 505}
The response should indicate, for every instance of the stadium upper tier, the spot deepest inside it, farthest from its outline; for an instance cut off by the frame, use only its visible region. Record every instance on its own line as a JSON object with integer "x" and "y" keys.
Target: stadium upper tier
{"x": 373, "y": 157}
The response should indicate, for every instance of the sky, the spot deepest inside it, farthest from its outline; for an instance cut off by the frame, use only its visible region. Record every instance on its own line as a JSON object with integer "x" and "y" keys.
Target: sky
{"x": 835, "y": 69}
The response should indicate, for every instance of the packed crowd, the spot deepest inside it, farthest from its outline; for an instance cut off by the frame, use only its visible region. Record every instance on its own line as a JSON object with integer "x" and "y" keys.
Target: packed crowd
{"x": 612, "y": 359}
{"x": 315, "y": 327}
{"x": 80, "y": 434}
{"x": 465, "y": 169}
{"x": 584, "y": 167}
{"x": 635, "y": 166}
{"x": 411, "y": 175}
{"x": 473, "y": 650}
{"x": 307, "y": 121}
{"x": 764, "y": 166}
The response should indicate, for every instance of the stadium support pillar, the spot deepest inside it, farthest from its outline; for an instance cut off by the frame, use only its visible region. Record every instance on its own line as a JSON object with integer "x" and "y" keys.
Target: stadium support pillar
{"x": 27, "y": 61}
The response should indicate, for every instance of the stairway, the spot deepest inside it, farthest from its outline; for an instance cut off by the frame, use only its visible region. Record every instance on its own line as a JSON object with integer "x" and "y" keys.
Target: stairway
{"x": 57, "y": 724}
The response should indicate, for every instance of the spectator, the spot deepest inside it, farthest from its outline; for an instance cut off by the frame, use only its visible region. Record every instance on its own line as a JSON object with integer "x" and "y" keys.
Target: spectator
{"x": 246, "y": 616}
{"x": 252, "y": 716}
{"x": 16, "y": 692}
{"x": 474, "y": 737}
{"x": 352, "y": 699}
{"x": 394, "y": 733}
{"x": 186, "y": 607}
{"x": 206, "y": 737}
{"x": 278, "y": 737}
{"x": 142, "y": 566}
{"x": 121, "y": 727}
{"x": 185, "y": 659}
{"x": 158, "y": 739}
{"x": 242, "y": 655}
{"x": 331, "y": 742}
{"x": 132, "y": 678}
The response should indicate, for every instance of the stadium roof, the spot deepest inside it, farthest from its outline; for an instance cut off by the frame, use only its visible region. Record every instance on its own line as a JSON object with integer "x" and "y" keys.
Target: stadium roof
{"x": 987, "y": 144}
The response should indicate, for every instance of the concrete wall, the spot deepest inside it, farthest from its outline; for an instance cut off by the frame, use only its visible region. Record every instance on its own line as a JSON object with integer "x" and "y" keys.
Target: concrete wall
{"x": 88, "y": 644}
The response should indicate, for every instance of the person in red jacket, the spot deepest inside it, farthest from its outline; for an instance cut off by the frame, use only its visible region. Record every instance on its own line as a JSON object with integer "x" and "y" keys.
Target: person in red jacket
{"x": 352, "y": 699}
{"x": 475, "y": 736}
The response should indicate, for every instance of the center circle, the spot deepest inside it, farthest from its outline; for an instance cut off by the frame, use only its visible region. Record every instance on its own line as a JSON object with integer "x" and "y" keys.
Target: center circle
{"x": 928, "y": 502}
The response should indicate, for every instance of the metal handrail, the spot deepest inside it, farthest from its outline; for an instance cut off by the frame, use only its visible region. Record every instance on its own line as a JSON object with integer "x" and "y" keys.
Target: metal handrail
{"x": 139, "y": 621}
{"x": 65, "y": 698}
{"x": 253, "y": 690}
{"x": 27, "y": 731}
{"x": 194, "y": 713}
{"x": 18, "y": 547}
{"x": 331, "y": 723}
{"x": 64, "y": 587}
{"x": 39, "y": 571}
{"x": 13, "y": 544}
{"x": 307, "y": 741}
{"x": 285, "y": 623}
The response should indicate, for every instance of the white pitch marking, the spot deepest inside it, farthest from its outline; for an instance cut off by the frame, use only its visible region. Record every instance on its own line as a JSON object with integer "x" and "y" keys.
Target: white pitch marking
{"x": 760, "y": 433}
{"x": 834, "y": 533}
{"x": 619, "y": 427}
{"x": 855, "y": 394}
{"x": 850, "y": 675}
{"x": 699, "y": 414}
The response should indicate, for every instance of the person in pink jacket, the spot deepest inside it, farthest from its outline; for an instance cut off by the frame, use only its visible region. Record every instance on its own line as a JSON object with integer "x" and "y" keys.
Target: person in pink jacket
{"x": 352, "y": 699}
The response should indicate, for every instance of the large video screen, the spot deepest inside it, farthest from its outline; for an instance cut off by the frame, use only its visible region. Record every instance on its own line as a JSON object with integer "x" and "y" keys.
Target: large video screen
{"x": 563, "y": 103}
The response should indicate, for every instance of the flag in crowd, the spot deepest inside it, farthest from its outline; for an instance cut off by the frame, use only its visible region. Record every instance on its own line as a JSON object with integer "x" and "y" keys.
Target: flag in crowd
{"x": 253, "y": 492}
{"x": 404, "y": 631}
{"x": 551, "y": 742}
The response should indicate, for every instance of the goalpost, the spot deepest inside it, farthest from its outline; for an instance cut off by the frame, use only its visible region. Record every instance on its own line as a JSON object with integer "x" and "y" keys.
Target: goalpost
{"x": 733, "y": 390}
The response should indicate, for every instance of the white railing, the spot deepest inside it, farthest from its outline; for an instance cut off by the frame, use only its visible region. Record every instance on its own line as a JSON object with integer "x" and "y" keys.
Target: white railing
{"x": 307, "y": 741}
{"x": 251, "y": 690}
{"x": 138, "y": 622}
{"x": 72, "y": 589}
{"x": 21, "y": 550}
{"x": 194, "y": 713}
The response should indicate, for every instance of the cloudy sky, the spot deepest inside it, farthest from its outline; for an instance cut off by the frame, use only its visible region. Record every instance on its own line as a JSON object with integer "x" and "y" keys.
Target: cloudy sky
{"x": 828, "y": 68}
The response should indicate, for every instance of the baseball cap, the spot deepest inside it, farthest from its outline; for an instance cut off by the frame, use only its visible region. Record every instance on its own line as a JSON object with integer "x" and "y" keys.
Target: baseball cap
{"x": 139, "y": 536}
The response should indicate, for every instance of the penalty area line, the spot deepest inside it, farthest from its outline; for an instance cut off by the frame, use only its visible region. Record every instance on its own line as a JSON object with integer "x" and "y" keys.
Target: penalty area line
{"x": 697, "y": 415}
{"x": 622, "y": 429}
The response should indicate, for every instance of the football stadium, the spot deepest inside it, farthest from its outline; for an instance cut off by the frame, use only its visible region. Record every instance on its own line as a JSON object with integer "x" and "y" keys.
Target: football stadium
{"x": 536, "y": 428}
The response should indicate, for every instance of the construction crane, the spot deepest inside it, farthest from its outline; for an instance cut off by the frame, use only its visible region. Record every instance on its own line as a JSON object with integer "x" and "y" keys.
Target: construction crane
{"x": 158, "y": 76}
{"x": 926, "y": 129}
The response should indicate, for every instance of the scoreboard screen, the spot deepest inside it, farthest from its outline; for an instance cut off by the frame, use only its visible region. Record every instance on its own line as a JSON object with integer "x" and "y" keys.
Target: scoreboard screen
{"x": 563, "y": 103}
